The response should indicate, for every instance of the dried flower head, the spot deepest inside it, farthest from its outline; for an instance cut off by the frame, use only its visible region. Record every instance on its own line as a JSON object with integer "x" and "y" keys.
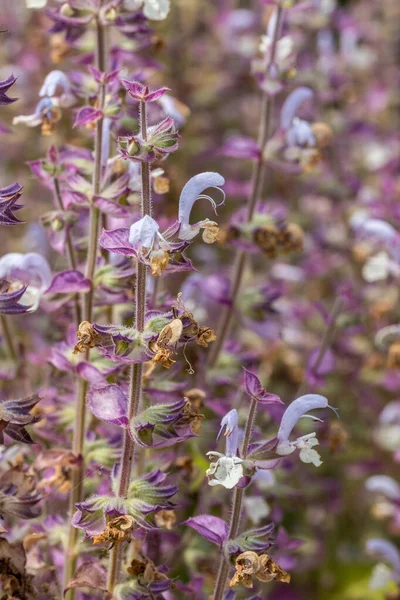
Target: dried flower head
{"x": 118, "y": 530}
{"x": 250, "y": 565}
{"x": 88, "y": 338}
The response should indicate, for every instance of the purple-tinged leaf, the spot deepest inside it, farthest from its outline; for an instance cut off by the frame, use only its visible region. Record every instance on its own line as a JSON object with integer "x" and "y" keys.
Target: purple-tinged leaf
{"x": 109, "y": 404}
{"x": 69, "y": 282}
{"x": 117, "y": 241}
{"x": 87, "y": 115}
{"x": 89, "y": 575}
{"x": 213, "y": 529}
{"x": 241, "y": 147}
{"x": 255, "y": 390}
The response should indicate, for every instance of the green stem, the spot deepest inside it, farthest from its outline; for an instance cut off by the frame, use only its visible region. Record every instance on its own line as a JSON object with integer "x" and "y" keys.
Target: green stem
{"x": 257, "y": 184}
{"x": 79, "y": 423}
{"x": 237, "y": 507}
{"x": 136, "y": 373}
{"x": 8, "y": 339}
{"x": 70, "y": 252}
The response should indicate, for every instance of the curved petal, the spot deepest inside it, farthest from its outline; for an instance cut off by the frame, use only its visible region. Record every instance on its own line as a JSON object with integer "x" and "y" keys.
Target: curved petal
{"x": 384, "y": 550}
{"x": 191, "y": 191}
{"x": 292, "y": 105}
{"x": 297, "y": 409}
{"x": 382, "y": 484}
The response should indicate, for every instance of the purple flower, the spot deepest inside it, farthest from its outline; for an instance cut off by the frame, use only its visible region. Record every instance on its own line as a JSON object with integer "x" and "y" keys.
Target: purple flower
{"x": 4, "y": 87}
{"x": 297, "y": 131}
{"x": 15, "y": 415}
{"x": 8, "y": 197}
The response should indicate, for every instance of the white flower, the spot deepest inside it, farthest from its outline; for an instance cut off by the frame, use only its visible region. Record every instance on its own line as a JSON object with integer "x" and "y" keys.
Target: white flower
{"x": 377, "y": 267}
{"x": 156, "y": 10}
{"x": 29, "y": 269}
{"x": 226, "y": 471}
{"x": 57, "y": 87}
{"x": 36, "y": 3}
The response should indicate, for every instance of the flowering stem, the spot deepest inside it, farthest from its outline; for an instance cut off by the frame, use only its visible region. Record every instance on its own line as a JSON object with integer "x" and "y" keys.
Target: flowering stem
{"x": 71, "y": 260}
{"x": 223, "y": 570}
{"x": 325, "y": 344}
{"x": 136, "y": 373}
{"x": 8, "y": 339}
{"x": 257, "y": 184}
{"x": 79, "y": 424}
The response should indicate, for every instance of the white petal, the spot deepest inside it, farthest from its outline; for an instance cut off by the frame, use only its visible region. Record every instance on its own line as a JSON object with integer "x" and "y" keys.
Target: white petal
{"x": 36, "y": 3}
{"x": 310, "y": 456}
{"x": 376, "y": 268}
{"x": 381, "y": 576}
{"x": 156, "y": 10}
{"x": 144, "y": 232}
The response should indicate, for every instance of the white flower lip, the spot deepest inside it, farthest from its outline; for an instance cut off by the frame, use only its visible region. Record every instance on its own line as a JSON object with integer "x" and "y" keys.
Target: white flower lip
{"x": 226, "y": 471}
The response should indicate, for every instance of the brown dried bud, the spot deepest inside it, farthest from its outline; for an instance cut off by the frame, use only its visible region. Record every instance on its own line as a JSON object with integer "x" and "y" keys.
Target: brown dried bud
{"x": 291, "y": 238}
{"x": 270, "y": 570}
{"x": 210, "y": 232}
{"x": 266, "y": 238}
{"x": 163, "y": 356}
{"x": 58, "y": 48}
{"x": 49, "y": 123}
{"x": 165, "y": 518}
{"x": 170, "y": 334}
{"x": 310, "y": 159}
{"x": 228, "y": 233}
{"x": 192, "y": 417}
{"x": 117, "y": 530}
{"x": 323, "y": 134}
{"x": 159, "y": 260}
{"x": 196, "y": 397}
{"x": 393, "y": 361}
{"x": 249, "y": 564}
{"x": 337, "y": 437}
{"x": 88, "y": 337}
{"x": 145, "y": 571}
{"x": 205, "y": 336}
{"x": 161, "y": 185}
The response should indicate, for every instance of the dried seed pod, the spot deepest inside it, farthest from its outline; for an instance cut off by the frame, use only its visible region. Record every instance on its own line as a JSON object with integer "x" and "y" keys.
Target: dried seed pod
{"x": 170, "y": 334}
{"x": 88, "y": 337}
{"x": 205, "y": 336}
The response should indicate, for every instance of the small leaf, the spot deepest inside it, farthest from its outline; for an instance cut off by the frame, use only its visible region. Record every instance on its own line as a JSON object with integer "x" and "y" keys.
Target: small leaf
{"x": 213, "y": 529}
{"x": 109, "y": 404}
{"x": 256, "y": 391}
{"x": 89, "y": 575}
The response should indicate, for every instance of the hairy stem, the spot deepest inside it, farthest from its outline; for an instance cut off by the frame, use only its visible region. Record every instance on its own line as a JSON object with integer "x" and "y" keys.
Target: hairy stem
{"x": 136, "y": 373}
{"x": 70, "y": 252}
{"x": 257, "y": 184}
{"x": 79, "y": 424}
{"x": 237, "y": 507}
